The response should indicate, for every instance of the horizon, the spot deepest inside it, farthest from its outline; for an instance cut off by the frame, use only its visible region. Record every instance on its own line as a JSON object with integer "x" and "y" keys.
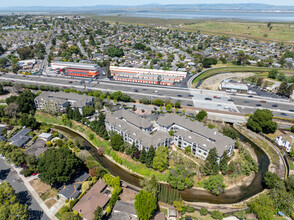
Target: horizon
{"x": 89, "y": 3}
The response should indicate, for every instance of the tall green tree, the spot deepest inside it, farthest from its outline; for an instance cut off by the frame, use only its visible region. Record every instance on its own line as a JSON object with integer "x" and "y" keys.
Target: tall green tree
{"x": 116, "y": 142}
{"x": 201, "y": 115}
{"x": 211, "y": 165}
{"x": 58, "y": 165}
{"x": 215, "y": 184}
{"x": 151, "y": 185}
{"x": 180, "y": 178}
{"x": 149, "y": 157}
{"x": 160, "y": 160}
{"x": 263, "y": 207}
{"x": 223, "y": 165}
{"x": 145, "y": 205}
{"x": 98, "y": 214}
{"x": 10, "y": 206}
{"x": 143, "y": 156}
{"x": 262, "y": 121}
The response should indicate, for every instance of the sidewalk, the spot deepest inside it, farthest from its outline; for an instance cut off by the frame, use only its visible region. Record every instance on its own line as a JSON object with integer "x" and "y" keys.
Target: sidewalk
{"x": 49, "y": 212}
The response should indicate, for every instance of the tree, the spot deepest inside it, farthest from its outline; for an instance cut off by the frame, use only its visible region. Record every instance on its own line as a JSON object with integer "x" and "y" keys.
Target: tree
{"x": 88, "y": 110}
{"x": 10, "y": 206}
{"x": 116, "y": 142}
{"x": 241, "y": 214}
{"x": 168, "y": 108}
{"x": 151, "y": 185}
{"x": 273, "y": 74}
{"x": 158, "y": 102}
{"x": 58, "y": 165}
{"x": 230, "y": 132}
{"x": 26, "y": 101}
{"x": 263, "y": 207}
{"x": 201, "y": 115}
{"x": 149, "y": 157}
{"x": 3, "y": 62}
{"x": 76, "y": 115}
{"x": 143, "y": 156}
{"x": 98, "y": 214}
{"x": 179, "y": 205}
{"x": 272, "y": 181}
{"x": 214, "y": 184}
{"x": 242, "y": 58}
{"x": 69, "y": 216}
{"x": 115, "y": 52}
{"x": 177, "y": 104}
{"x": 180, "y": 178}
{"x": 12, "y": 110}
{"x": 290, "y": 184}
{"x": 261, "y": 121}
{"x": 291, "y": 153}
{"x": 160, "y": 160}
{"x": 284, "y": 89}
{"x": 207, "y": 62}
{"x": 211, "y": 165}
{"x": 223, "y": 165}
{"x": 145, "y": 205}
{"x": 28, "y": 121}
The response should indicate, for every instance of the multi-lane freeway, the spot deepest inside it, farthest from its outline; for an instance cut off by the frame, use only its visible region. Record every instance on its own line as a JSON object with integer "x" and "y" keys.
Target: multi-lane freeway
{"x": 193, "y": 98}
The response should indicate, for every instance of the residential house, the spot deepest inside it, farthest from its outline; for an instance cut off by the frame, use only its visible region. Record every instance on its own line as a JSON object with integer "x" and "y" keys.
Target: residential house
{"x": 72, "y": 189}
{"x": 91, "y": 200}
{"x": 123, "y": 211}
{"x": 21, "y": 138}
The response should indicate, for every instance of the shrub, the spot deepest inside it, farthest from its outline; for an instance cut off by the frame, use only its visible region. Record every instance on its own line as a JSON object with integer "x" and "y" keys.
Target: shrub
{"x": 203, "y": 211}
{"x": 216, "y": 214}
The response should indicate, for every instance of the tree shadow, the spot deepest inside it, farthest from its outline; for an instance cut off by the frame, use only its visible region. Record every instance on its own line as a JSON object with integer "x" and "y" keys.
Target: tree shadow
{"x": 36, "y": 214}
{"x": 4, "y": 174}
{"x": 24, "y": 198}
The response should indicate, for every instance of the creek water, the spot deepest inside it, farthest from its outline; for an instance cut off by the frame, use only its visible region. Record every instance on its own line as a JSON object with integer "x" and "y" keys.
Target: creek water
{"x": 232, "y": 195}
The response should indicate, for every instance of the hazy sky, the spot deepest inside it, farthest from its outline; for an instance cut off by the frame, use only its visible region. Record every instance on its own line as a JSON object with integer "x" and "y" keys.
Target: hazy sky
{"x": 5, "y": 3}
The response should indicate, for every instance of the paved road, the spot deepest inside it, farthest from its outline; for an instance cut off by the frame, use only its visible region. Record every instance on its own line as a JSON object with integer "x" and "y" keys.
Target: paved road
{"x": 188, "y": 97}
{"x": 7, "y": 173}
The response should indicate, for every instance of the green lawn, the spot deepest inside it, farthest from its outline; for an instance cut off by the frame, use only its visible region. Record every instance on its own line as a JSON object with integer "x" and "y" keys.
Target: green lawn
{"x": 96, "y": 141}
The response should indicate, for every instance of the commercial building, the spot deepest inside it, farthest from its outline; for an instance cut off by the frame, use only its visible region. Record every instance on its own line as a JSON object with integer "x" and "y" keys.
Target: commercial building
{"x": 76, "y": 69}
{"x": 232, "y": 86}
{"x": 58, "y": 101}
{"x": 148, "y": 76}
{"x": 146, "y": 132}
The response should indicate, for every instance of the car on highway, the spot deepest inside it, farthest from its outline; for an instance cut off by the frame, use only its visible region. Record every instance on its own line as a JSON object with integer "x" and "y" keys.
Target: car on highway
{"x": 262, "y": 101}
{"x": 156, "y": 91}
{"x": 207, "y": 98}
{"x": 64, "y": 87}
{"x": 246, "y": 101}
{"x": 189, "y": 104}
{"x": 191, "y": 95}
{"x": 274, "y": 105}
{"x": 230, "y": 100}
{"x": 70, "y": 82}
{"x": 258, "y": 105}
{"x": 179, "y": 95}
{"x": 250, "y": 96}
{"x": 135, "y": 90}
{"x": 291, "y": 110}
{"x": 216, "y": 97}
{"x": 284, "y": 114}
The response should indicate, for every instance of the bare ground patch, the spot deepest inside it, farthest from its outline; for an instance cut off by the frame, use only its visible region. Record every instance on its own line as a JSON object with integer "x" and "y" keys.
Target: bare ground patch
{"x": 50, "y": 202}
{"x": 214, "y": 81}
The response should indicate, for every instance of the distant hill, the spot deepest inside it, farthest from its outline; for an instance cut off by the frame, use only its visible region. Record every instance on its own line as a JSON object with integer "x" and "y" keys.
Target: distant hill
{"x": 151, "y": 7}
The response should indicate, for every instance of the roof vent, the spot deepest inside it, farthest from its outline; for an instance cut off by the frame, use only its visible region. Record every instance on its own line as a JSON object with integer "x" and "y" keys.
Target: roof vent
{"x": 190, "y": 137}
{"x": 215, "y": 133}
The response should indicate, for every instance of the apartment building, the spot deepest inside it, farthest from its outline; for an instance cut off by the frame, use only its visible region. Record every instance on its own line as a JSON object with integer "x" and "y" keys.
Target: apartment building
{"x": 195, "y": 135}
{"x": 58, "y": 101}
{"x": 145, "y": 132}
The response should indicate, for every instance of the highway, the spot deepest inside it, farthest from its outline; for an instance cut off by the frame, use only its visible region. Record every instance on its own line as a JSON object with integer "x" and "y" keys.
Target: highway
{"x": 200, "y": 99}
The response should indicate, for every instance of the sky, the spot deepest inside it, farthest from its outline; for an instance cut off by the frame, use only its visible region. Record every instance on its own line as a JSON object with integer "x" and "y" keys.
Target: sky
{"x": 6, "y": 3}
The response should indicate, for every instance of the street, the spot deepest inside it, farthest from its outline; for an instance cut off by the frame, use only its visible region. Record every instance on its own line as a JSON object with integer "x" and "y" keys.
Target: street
{"x": 7, "y": 173}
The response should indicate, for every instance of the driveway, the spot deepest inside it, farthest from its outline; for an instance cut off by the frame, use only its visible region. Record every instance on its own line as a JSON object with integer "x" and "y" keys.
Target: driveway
{"x": 7, "y": 173}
